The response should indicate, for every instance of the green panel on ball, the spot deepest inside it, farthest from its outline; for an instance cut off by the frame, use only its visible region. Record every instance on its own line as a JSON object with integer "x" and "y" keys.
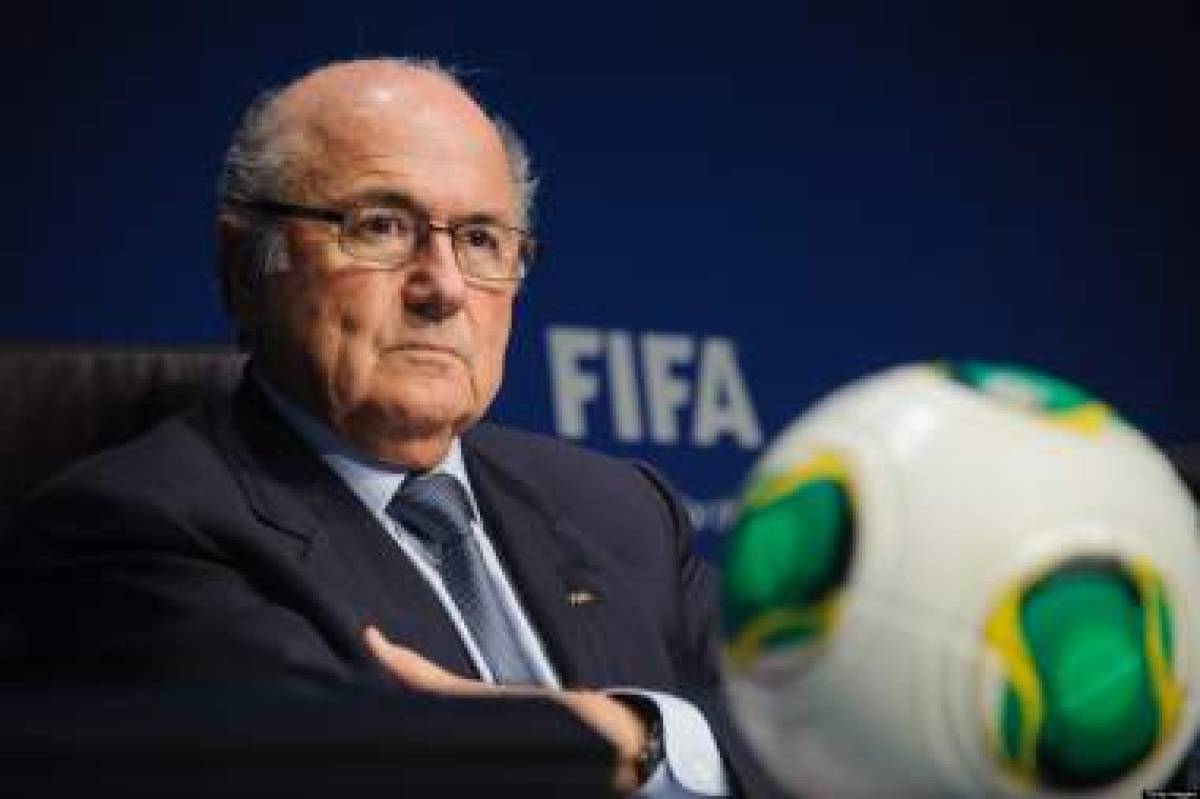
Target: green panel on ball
{"x": 1056, "y": 401}
{"x": 1013, "y": 724}
{"x": 1166, "y": 635}
{"x": 784, "y": 559}
{"x": 1084, "y": 628}
{"x": 1042, "y": 390}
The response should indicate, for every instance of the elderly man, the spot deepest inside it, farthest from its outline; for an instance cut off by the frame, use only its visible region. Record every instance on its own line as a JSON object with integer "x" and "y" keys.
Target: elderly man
{"x": 345, "y": 514}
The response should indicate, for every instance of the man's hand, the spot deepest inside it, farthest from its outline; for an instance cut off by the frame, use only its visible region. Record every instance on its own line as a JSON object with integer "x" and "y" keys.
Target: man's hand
{"x": 609, "y": 717}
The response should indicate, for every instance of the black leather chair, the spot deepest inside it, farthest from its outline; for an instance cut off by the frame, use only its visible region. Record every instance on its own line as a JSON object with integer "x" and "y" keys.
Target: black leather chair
{"x": 60, "y": 404}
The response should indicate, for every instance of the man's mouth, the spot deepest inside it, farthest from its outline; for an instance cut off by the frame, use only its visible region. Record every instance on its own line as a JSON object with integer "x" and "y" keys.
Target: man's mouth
{"x": 429, "y": 348}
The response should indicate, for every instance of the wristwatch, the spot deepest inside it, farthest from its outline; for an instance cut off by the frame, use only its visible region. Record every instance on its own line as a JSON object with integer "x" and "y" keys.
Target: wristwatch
{"x": 653, "y": 751}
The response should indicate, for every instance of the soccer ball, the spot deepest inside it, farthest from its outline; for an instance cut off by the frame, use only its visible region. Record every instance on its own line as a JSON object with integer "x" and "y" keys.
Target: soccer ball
{"x": 964, "y": 579}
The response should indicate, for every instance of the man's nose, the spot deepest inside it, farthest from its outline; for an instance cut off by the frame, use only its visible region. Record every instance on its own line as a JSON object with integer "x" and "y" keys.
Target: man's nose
{"x": 434, "y": 284}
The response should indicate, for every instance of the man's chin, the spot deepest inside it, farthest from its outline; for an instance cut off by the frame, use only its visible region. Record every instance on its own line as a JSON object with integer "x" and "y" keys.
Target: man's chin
{"x": 404, "y": 427}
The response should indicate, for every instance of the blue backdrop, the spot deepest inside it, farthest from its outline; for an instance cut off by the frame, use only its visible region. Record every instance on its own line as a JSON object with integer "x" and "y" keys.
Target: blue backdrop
{"x": 742, "y": 206}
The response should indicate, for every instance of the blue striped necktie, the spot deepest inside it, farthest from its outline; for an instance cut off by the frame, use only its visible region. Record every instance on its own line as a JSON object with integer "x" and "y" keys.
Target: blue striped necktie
{"x": 436, "y": 509}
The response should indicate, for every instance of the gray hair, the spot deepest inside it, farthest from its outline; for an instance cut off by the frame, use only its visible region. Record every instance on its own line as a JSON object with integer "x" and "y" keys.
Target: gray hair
{"x": 258, "y": 164}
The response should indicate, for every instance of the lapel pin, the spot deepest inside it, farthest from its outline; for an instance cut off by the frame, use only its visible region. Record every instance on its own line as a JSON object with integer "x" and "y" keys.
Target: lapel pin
{"x": 580, "y": 597}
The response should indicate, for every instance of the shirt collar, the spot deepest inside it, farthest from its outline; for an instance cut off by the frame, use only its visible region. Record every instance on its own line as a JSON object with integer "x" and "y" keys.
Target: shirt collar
{"x": 373, "y": 481}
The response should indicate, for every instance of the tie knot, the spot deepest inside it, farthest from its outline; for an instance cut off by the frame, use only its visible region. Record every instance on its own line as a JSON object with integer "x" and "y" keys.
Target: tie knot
{"x": 434, "y": 507}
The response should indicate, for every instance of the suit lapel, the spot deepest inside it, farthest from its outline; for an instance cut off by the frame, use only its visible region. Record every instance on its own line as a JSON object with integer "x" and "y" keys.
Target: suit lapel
{"x": 345, "y": 558}
{"x": 557, "y": 585}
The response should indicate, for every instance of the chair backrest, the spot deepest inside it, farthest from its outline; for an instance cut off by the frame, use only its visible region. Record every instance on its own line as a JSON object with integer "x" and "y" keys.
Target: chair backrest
{"x": 59, "y": 404}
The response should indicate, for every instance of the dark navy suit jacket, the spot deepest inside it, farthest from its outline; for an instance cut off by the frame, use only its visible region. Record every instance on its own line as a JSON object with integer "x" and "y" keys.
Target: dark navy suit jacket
{"x": 219, "y": 547}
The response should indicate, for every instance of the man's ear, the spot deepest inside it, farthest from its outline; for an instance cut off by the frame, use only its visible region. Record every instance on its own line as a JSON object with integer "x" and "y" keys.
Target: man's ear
{"x": 238, "y": 271}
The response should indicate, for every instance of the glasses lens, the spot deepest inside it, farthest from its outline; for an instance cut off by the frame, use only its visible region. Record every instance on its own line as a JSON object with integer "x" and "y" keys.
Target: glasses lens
{"x": 488, "y": 250}
{"x": 382, "y": 235}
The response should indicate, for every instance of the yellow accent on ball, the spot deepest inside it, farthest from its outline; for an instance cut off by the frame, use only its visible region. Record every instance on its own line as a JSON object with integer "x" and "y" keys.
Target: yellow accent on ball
{"x": 1089, "y": 419}
{"x": 1003, "y": 633}
{"x": 822, "y": 466}
{"x": 745, "y": 648}
{"x": 1167, "y": 690}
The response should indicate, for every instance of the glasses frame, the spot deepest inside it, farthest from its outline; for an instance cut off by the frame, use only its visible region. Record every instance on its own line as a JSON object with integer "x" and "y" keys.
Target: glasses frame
{"x": 527, "y": 247}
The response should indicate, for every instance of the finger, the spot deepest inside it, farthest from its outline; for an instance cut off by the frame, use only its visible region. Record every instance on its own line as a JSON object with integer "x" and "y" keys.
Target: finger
{"x": 416, "y": 671}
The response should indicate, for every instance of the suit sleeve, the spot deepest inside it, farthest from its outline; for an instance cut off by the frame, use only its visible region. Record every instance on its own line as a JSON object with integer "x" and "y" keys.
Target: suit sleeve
{"x": 698, "y": 658}
{"x": 107, "y": 588}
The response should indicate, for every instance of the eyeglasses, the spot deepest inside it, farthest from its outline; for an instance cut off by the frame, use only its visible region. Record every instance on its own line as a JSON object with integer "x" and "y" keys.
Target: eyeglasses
{"x": 390, "y": 235}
